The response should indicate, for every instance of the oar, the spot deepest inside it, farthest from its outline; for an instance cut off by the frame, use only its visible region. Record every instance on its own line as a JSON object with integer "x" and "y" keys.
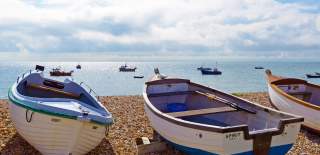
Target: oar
{"x": 229, "y": 103}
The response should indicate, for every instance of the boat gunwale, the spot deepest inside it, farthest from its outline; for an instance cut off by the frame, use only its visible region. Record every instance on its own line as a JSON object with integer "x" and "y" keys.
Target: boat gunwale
{"x": 274, "y": 85}
{"x": 212, "y": 128}
{"x": 15, "y": 101}
{"x": 302, "y": 125}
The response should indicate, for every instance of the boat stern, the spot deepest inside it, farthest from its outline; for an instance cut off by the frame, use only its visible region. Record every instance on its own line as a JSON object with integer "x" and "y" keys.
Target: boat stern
{"x": 264, "y": 143}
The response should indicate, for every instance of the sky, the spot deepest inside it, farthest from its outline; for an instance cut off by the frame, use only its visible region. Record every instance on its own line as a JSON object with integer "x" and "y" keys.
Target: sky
{"x": 106, "y": 29}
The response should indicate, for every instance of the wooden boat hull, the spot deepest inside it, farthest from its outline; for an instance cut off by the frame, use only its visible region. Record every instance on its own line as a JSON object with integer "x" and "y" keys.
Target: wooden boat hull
{"x": 54, "y": 120}
{"x": 283, "y": 103}
{"x": 198, "y": 137}
{"x": 217, "y": 143}
{"x": 56, "y": 135}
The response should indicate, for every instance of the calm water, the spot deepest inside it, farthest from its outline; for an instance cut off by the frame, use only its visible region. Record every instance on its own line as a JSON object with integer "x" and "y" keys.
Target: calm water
{"x": 106, "y": 80}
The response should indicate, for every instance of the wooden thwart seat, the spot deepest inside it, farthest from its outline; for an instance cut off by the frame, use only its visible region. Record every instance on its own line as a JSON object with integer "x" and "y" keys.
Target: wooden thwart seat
{"x": 171, "y": 93}
{"x": 305, "y": 95}
{"x": 201, "y": 111}
{"x": 54, "y": 90}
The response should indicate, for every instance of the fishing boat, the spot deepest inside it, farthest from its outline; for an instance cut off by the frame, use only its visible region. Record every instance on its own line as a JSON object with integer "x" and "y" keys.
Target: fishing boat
{"x": 258, "y": 67}
{"x": 78, "y": 66}
{"x": 138, "y": 76}
{"x": 210, "y": 71}
{"x": 57, "y": 117}
{"x": 196, "y": 119}
{"x": 315, "y": 75}
{"x": 59, "y": 72}
{"x": 126, "y": 68}
{"x": 296, "y": 96}
{"x": 203, "y": 68}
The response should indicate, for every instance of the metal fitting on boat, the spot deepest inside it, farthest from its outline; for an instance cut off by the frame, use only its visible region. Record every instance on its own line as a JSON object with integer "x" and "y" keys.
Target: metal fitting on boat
{"x": 29, "y": 119}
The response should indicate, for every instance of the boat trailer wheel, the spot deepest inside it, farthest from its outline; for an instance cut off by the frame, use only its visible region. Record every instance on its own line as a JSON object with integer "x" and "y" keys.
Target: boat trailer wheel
{"x": 29, "y": 119}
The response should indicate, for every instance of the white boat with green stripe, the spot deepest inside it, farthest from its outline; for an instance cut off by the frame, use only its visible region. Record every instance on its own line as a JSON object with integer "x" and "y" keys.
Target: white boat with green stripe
{"x": 57, "y": 117}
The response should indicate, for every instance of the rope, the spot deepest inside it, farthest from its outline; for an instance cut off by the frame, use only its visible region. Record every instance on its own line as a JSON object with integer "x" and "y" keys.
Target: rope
{"x": 29, "y": 119}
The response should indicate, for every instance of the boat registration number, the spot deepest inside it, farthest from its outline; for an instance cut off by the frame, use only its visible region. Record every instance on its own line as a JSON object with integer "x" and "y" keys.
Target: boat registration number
{"x": 233, "y": 136}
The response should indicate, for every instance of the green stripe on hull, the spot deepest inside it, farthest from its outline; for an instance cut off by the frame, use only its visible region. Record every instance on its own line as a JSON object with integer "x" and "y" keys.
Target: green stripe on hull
{"x": 19, "y": 103}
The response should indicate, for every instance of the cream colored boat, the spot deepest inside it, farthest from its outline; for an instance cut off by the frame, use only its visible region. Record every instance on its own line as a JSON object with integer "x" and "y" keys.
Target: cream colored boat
{"x": 296, "y": 96}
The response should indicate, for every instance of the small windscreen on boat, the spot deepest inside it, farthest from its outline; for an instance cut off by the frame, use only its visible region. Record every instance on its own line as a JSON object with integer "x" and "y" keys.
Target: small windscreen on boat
{"x": 53, "y": 84}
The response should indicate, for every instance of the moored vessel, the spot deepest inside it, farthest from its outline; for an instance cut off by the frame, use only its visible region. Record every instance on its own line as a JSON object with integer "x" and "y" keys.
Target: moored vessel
{"x": 200, "y": 120}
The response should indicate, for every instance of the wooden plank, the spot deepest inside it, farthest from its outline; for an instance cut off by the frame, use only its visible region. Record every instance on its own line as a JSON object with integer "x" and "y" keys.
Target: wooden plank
{"x": 300, "y": 93}
{"x": 171, "y": 93}
{"x": 201, "y": 111}
{"x": 229, "y": 103}
{"x": 261, "y": 144}
{"x": 45, "y": 88}
{"x": 152, "y": 146}
{"x": 305, "y": 95}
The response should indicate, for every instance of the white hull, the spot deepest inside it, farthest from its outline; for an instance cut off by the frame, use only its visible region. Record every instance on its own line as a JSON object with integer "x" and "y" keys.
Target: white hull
{"x": 213, "y": 142}
{"x": 56, "y": 135}
{"x": 311, "y": 116}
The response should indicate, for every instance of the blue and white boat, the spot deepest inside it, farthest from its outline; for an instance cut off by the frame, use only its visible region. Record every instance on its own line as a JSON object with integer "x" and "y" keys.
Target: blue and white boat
{"x": 57, "y": 117}
{"x": 213, "y": 71}
{"x": 200, "y": 120}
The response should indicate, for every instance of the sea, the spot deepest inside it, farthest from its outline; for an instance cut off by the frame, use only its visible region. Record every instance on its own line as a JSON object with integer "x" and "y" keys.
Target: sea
{"x": 106, "y": 80}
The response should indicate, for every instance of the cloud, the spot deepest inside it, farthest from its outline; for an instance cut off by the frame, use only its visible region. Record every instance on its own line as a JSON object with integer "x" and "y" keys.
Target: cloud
{"x": 204, "y": 26}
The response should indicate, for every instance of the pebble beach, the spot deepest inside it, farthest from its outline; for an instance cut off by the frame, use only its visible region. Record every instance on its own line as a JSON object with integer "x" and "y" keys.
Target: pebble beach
{"x": 131, "y": 123}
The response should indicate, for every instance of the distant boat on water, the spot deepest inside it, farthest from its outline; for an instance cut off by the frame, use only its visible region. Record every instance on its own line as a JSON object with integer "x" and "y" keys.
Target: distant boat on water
{"x": 138, "y": 76}
{"x": 315, "y": 75}
{"x": 258, "y": 67}
{"x": 78, "y": 66}
{"x": 203, "y": 68}
{"x": 296, "y": 96}
{"x": 58, "y": 72}
{"x": 196, "y": 119}
{"x": 210, "y": 71}
{"x": 126, "y": 68}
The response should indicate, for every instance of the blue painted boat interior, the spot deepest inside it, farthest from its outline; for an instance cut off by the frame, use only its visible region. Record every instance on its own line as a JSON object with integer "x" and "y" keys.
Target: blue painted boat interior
{"x": 204, "y": 119}
{"x": 194, "y": 103}
{"x": 70, "y": 87}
